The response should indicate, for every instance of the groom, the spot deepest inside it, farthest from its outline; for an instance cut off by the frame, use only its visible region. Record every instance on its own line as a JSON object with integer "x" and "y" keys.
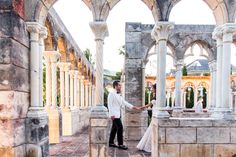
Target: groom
{"x": 115, "y": 103}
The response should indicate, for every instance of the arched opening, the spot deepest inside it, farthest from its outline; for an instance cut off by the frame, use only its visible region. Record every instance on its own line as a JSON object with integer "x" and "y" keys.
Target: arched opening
{"x": 189, "y": 97}
{"x": 187, "y": 12}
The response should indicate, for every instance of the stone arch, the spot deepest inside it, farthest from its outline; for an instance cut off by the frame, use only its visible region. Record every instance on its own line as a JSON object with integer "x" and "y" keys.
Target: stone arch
{"x": 48, "y": 42}
{"x": 218, "y": 8}
{"x": 208, "y": 45}
{"x": 189, "y": 84}
{"x": 62, "y": 46}
{"x": 203, "y": 84}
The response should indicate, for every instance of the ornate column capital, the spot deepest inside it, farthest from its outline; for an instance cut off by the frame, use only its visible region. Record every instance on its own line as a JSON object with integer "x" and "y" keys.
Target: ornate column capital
{"x": 162, "y": 30}
{"x": 51, "y": 56}
{"x": 33, "y": 27}
{"x": 64, "y": 66}
{"x": 228, "y": 29}
{"x": 99, "y": 29}
{"x": 179, "y": 64}
{"x": 43, "y": 32}
{"x": 212, "y": 65}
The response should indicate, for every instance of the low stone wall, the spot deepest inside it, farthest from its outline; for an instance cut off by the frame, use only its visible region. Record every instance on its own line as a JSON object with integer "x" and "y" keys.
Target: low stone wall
{"x": 192, "y": 137}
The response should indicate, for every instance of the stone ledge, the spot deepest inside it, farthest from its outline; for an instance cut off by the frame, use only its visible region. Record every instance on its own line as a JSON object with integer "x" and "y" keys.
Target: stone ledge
{"x": 213, "y": 135}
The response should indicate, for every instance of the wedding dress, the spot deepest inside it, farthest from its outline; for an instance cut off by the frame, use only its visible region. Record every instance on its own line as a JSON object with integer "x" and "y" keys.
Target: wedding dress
{"x": 145, "y": 143}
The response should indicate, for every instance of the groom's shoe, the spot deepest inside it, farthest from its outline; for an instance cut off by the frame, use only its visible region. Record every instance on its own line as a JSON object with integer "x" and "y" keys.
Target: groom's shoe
{"x": 124, "y": 147}
{"x": 112, "y": 145}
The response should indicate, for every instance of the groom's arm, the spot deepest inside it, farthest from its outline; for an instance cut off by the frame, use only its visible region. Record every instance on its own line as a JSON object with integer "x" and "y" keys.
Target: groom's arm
{"x": 110, "y": 106}
{"x": 130, "y": 106}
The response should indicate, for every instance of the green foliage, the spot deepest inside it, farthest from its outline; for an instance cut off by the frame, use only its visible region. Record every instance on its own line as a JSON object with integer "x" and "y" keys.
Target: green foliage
{"x": 189, "y": 98}
{"x": 206, "y": 74}
{"x": 117, "y": 77}
{"x": 89, "y": 57}
{"x": 185, "y": 72}
{"x": 105, "y": 96}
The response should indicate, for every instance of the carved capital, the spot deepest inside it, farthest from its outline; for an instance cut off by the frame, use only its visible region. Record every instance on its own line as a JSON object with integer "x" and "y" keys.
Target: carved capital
{"x": 64, "y": 66}
{"x": 43, "y": 32}
{"x": 228, "y": 30}
{"x": 179, "y": 64}
{"x": 162, "y": 30}
{"x": 99, "y": 29}
{"x": 51, "y": 56}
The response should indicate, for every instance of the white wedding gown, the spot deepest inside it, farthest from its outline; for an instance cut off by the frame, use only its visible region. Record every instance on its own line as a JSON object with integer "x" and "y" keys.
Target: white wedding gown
{"x": 145, "y": 143}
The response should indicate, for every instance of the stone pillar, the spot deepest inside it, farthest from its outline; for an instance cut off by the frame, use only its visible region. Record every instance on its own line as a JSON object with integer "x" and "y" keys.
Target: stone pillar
{"x": 99, "y": 116}
{"x": 178, "y": 79}
{"x": 225, "y": 31}
{"x": 168, "y": 99}
{"x": 67, "y": 86}
{"x": 234, "y": 102}
{"x": 90, "y": 93}
{"x": 76, "y": 98}
{"x": 48, "y": 80}
{"x": 173, "y": 98}
{"x": 212, "y": 101}
{"x": 143, "y": 84}
{"x": 51, "y": 58}
{"x": 82, "y": 93}
{"x": 72, "y": 72}
{"x": 62, "y": 84}
{"x": 160, "y": 33}
{"x": 37, "y": 119}
{"x": 207, "y": 99}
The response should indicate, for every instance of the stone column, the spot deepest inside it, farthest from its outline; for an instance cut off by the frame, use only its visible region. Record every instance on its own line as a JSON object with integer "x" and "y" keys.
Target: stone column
{"x": 173, "y": 98}
{"x": 178, "y": 78}
{"x": 76, "y": 98}
{"x": 234, "y": 103}
{"x": 228, "y": 30}
{"x": 168, "y": 99}
{"x": 62, "y": 83}
{"x": 67, "y": 86}
{"x": 212, "y": 66}
{"x": 48, "y": 80}
{"x": 35, "y": 141}
{"x": 99, "y": 116}
{"x": 225, "y": 31}
{"x": 51, "y": 58}
{"x": 82, "y": 93}
{"x": 71, "y": 88}
{"x": 143, "y": 84}
{"x": 207, "y": 99}
{"x": 160, "y": 33}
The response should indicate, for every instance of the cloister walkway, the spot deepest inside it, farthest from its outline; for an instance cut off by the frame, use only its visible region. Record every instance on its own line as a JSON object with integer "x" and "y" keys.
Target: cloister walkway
{"x": 78, "y": 146}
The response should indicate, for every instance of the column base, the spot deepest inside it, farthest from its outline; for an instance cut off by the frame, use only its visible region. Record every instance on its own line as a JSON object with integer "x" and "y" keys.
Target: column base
{"x": 66, "y": 122}
{"x": 54, "y": 126}
{"x": 37, "y": 144}
{"x": 177, "y": 111}
{"x": 161, "y": 113}
{"x": 223, "y": 113}
{"x": 98, "y": 135}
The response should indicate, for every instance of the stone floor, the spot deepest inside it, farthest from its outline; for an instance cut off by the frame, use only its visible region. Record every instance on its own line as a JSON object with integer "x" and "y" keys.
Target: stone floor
{"x": 77, "y": 146}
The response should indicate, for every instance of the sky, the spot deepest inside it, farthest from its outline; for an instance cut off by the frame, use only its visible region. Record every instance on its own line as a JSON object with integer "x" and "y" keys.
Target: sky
{"x": 76, "y": 16}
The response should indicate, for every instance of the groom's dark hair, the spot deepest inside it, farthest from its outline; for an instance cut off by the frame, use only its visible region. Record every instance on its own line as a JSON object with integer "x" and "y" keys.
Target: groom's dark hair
{"x": 115, "y": 83}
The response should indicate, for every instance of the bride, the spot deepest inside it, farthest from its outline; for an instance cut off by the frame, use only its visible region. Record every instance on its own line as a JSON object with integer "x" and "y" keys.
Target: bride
{"x": 145, "y": 143}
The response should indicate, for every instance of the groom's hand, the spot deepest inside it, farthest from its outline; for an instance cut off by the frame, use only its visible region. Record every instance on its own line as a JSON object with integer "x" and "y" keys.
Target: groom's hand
{"x": 112, "y": 117}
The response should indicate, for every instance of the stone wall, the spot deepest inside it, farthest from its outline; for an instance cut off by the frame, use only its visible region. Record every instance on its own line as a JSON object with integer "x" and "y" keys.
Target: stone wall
{"x": 194, "y": 137}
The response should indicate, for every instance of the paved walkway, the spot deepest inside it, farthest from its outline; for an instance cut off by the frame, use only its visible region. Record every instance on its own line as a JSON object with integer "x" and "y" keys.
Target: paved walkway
{"x": 77, "y": 146}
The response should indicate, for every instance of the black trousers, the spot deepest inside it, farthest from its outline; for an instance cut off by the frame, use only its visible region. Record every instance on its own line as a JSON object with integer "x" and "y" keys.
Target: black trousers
{"x": 117, "y": 128}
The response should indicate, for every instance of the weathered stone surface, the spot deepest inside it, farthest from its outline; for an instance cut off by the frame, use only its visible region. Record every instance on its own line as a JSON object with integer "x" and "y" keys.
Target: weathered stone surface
{"x": 13, "y": 26}
{"x": 169, "y": 150}
{"x": 180, "y": 135}
{"x": 196, "y": 150}
{"x": 135, "y": 133}
{"x": 14, "y": 78}
{"x": 37, "y": 128}
{"x": 14, "y": 105}
{"x": 223, "y": 123}
{"x": 13, "y": 52}
{"x": 18, "y": 151}
{"x": 213, "y": 135}
{"x": 12, "y": 132}
{"x": 132, "y": 37}
{"x": 99, "y": 122}
{"x": 168, "y": 122}
{"x": 195, "y": 123}
{"x": 225, "y": 150}
{"x": 67, "y": 123}
{"x": 98, "y": 135}
{"x": 233, "y": 135}
{"x": 136, "y": 119}
{"x": 99, "y": 150}
{"x": 161, "y": 135}
{"x": 53, "y": 126}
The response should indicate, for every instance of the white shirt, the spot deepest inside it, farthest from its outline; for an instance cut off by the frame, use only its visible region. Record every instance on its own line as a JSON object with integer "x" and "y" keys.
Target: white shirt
{"x": 115, "y": 103}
